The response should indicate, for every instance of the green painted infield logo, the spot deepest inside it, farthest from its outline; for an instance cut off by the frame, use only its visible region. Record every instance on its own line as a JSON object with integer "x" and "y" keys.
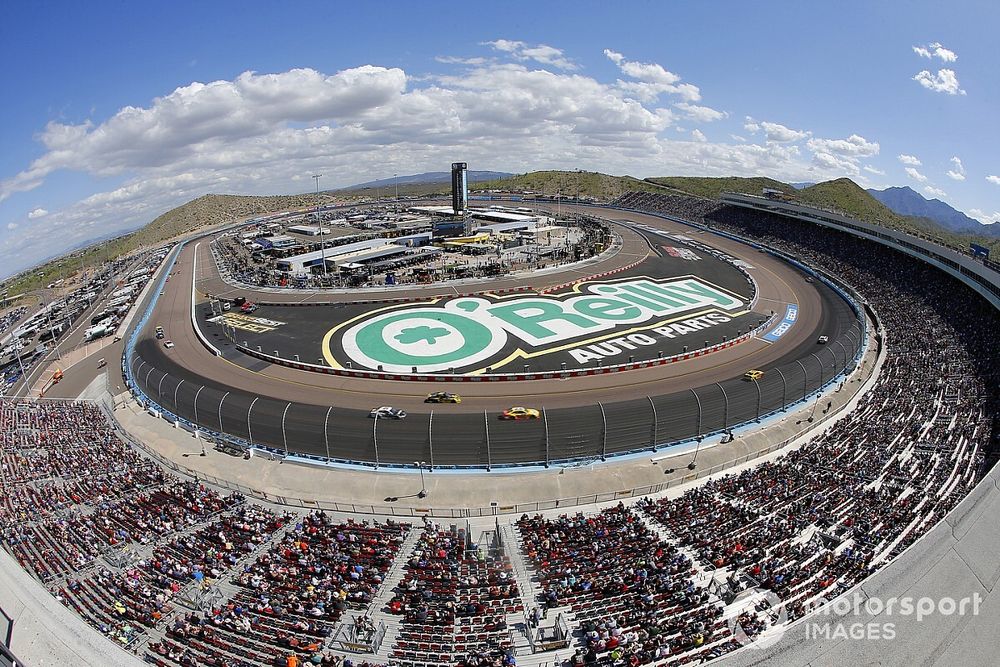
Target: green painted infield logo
{"x": 474, "y": 332}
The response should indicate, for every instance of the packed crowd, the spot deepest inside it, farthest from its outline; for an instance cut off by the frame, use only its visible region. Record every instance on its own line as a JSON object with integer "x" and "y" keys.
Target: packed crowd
{"x": 454, "y": 600}
{"x": 121, "y": 542}
{"x": 820, "y": 519}
{"x": 632, "y": 592}
{"x": 285, "y": 603}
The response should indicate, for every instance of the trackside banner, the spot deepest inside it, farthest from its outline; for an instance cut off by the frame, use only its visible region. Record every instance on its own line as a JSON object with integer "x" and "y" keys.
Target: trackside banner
{"x": 476, "y": 334}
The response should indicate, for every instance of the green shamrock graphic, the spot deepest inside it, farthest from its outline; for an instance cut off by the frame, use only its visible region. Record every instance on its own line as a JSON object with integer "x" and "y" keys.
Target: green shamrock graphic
{"x": 423, "y": 332}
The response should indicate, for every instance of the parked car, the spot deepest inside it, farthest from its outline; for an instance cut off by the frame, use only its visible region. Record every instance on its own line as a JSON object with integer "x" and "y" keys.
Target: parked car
{"x": 387, "y": 412}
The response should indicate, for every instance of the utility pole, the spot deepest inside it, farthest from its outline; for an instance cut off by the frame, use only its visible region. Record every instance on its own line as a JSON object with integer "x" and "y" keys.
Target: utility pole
{"x": 395, "y": 180}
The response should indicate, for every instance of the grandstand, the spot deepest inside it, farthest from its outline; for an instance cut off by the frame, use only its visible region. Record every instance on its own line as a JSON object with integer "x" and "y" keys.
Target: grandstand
{"x": 176, "y": 572}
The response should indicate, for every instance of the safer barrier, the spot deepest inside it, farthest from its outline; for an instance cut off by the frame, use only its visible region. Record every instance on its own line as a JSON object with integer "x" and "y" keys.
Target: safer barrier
{"x": 493, "y": 510}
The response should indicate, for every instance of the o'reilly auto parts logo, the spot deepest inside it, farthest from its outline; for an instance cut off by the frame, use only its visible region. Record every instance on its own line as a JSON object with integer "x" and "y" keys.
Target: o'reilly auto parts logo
{"x": 471, "y": 334}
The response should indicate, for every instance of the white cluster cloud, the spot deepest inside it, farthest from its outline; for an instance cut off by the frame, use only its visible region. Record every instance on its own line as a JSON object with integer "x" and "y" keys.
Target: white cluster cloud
{"x": 915, "y": 175}
{"x": 910, "y": 160}
{"x": 774, "y": 132}
{"x": 651, "y": 80}
{"x": 958, "y": 173}
{"x": 458, "y": 60}
{"x": 698, "y": 135}
{"x": 541, "y": 53}
{"x": 935, "y": 50}
{"x": 935, "y": 192}
{"x": 843, "y": 155}
{"x": 219, "y": 124}
{"x": 700, "y": 114}
{"x": 873, "y": 170}
{"x": 37, "y": 213}
{"x": 853, "y": 146}
{"x": 993, "y": 179}
{"x": 945, "y": 81}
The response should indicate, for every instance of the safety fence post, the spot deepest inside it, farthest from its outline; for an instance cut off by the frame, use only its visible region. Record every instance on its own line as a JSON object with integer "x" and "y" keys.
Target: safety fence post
{"x": 757, "y": 385}
{"x": 604, "y": 439}
{"x": 805, "y": 378}
{"x": 284, "y": 437}
{"x": 545, "y": 422}
{"x": 175, "y": 397}
{"x": 844, "y": 350}
{"x": 725, "y": 413}
{"x": 430, "y": 437}
{"x": 220, "y": 411}
{"x": 784, "y": 389}
{"x": 326, "y": 432}
{"x": 813, "y": 355}
{"x": 489, "y": 457}
{"x": 698, "y": 431}
{"x": 196, "y": 394}
{"x": 249, "y": 410}
{"x": 653, "y": 407}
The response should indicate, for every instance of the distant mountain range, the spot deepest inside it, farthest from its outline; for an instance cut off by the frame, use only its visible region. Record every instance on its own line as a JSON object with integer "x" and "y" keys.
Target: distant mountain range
{"x": 906, "y": 201}
{"x": 429, "y": 177}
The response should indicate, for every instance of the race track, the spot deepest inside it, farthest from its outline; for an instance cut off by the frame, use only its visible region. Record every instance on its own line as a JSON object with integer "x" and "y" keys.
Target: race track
{"x": 595, "y": 416}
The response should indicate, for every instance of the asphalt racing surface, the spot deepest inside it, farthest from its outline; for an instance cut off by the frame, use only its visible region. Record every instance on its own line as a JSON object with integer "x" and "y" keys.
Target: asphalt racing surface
{"x": 595, "y": 416}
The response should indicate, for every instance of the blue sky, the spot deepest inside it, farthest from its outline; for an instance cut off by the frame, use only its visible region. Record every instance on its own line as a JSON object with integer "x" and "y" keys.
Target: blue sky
{"x": 117, "y": 112}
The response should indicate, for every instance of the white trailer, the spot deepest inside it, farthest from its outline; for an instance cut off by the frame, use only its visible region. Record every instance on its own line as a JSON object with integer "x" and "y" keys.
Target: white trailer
{"x": 97, "y": 331}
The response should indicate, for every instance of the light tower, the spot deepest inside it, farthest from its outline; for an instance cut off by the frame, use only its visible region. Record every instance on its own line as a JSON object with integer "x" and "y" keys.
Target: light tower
{"x": 459, "y": 191}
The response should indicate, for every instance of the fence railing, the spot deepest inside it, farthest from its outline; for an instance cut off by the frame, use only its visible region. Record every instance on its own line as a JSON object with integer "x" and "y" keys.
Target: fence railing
{"x": 466, "y": 512}
{"x": 7, "y": 658}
